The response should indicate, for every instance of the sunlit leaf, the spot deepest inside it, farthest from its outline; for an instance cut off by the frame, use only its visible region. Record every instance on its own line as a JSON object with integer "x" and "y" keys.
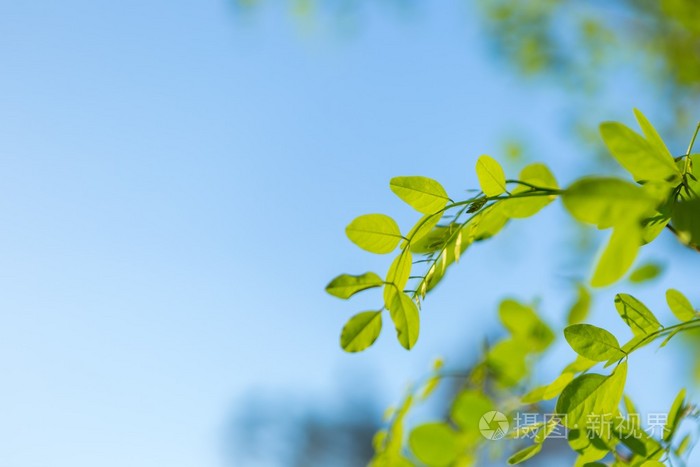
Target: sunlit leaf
{"x": 606, "y": 202}
{"x": 645, "y": 272}
{"x": 618, "y": 256}
{"x": 397, "y": 276}
{"x": 423, "y": 227}
{"x": 376, "y": 233}
{"x": 593, "y": 342}
{"x": 434, "y": 443}
{"x": 591, "y": 393}
{"x": 537, "y": 175}
{"x": 345, "y": 285}
{"x": 524, "y": 324}
{"x": 679, "y": 305}
{"x": 524, "y": 454}
{"x": 422, "y": 193}
{"x": 675, "y": 414}
{"x": 491, "y": 177}
{"x": 636, "y": 315}
{"x": 467, "y": 410}
{"x": 404, "y": 314}
{"x": 361, "y": 331}
{"x": 581, "y": 307}
{"x": 639, "y": 157}
{"x": 651, "y": 135}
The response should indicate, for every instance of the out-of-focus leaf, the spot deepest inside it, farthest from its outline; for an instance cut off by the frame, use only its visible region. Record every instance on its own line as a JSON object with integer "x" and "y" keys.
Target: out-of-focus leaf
{"x": 434, "y": 443}
{"x": 524, "y": 454}
{"x": 581, "y": 307}
{"x": 524, "y": 325}
{"x": 618, "y": 255}
{"x": 645, "y": 272}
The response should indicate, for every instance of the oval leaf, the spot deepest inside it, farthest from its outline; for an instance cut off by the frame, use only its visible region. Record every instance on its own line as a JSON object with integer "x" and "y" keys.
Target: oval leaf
{"x": 679, "y": 305}
{"x": 524, "y": 454}
{"x": 645, "y": 272}
{"x": 637, "y": 316}
{"x": 345, "y": 285}
{"x": 593, "y": 342}
{"x": 376, "y": 233}
{"x": 421, "y": 193}
{"x": 404, "y": 314}
{"x": 639, "y": 157}
{"x": 397, "y": 276}
{"x": 434, "y": 443}
{"x": 491, "y": 177}
{"x": 361, "y": 331}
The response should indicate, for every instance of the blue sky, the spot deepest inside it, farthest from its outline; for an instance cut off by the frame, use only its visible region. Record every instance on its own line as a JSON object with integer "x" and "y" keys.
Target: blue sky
{"x": 174, "y": 185}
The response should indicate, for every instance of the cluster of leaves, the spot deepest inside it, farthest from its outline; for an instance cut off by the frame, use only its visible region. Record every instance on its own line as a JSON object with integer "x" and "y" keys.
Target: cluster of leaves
{"x": 662, "y": 195}
{"x": 636, "y": 213}
{"x": 587, "y": 408}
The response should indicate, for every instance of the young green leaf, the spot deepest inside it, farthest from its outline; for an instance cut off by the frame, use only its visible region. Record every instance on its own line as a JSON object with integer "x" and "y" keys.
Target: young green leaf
{"x": 679, "y": 305}
{"x": 639, "y": 157}
{"x": 645, "y": 272}
{"x": 421, "y": 193}
{"x": 404, "y": 314}
{"x": 618, "y": 255}
{"x": 524, "y": 454}
{"x": 345, "y": 285}
{"x": 533, "y": 174}
{"x": 606, "y": 202}
{"x": 579, "y": 310}
{"x": 434, "y": 443}
{"x": 636, "y": 315}
{"x": 686, "y": 221}
{"x": 423, "y": 227}
{"x": 524, "y": 324}
{"x": 376, "y": 233}
{"x": 593, "y": 342}
{"x": 491, "y": 177}
{"x": 361, "y": 331}
{"x": 467, "y": 410}
{"x": 652, "y": 135}
{"x": 591, "y": 393}
{"x": 397, "y": 276}
{"x": 674, "y": 416}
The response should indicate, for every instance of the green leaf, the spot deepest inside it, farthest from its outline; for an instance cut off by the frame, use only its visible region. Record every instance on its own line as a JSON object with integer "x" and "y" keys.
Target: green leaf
{"x": 376, "y": 233}
{"x": 397, "y": 276}
{"x": 467, "y": 410}
{"x": 361, "y": 331}
{"x": 537, "y": 175}
{"x": 524, "y": 325}
{"x": 488, "y": 222}
{"x": 524, "y": 454}
{"x": 422, "y": 193}
{"x": 423, "y": 227}
{"x": 645, "y": 272}
{"x": 491, "y": 177}
{"x": 652, "y": 135}
{"x": 580, "y": 309}
{"x": 506, "y": 360}
{"x": 653, "y": 463}
{"x": 679, "y": 305}
{"x": 674, "y": 415}
{"x": 639, "y": 157}
{"x": 591, "y": 393}
{"x": 618, "y": 256}
{"x": 606, "y": 202}
{"x": 435, "y": 239}
{"x": 593, "y": 342}
{"x": 345, "y": 285}
{"x": 552, "y": 390}
{"x": 434, "y": 443}
{"x": 636, "y": 315}
{"x": 686, "y": 221}
{"x": 404, "y": 314}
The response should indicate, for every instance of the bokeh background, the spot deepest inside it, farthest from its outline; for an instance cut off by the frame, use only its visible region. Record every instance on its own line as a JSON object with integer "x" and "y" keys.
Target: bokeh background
{"x": 175, "y": 179}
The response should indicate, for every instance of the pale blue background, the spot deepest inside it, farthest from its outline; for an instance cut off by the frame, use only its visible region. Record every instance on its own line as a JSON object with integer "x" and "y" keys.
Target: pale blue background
{"x": 175, "y": 179}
